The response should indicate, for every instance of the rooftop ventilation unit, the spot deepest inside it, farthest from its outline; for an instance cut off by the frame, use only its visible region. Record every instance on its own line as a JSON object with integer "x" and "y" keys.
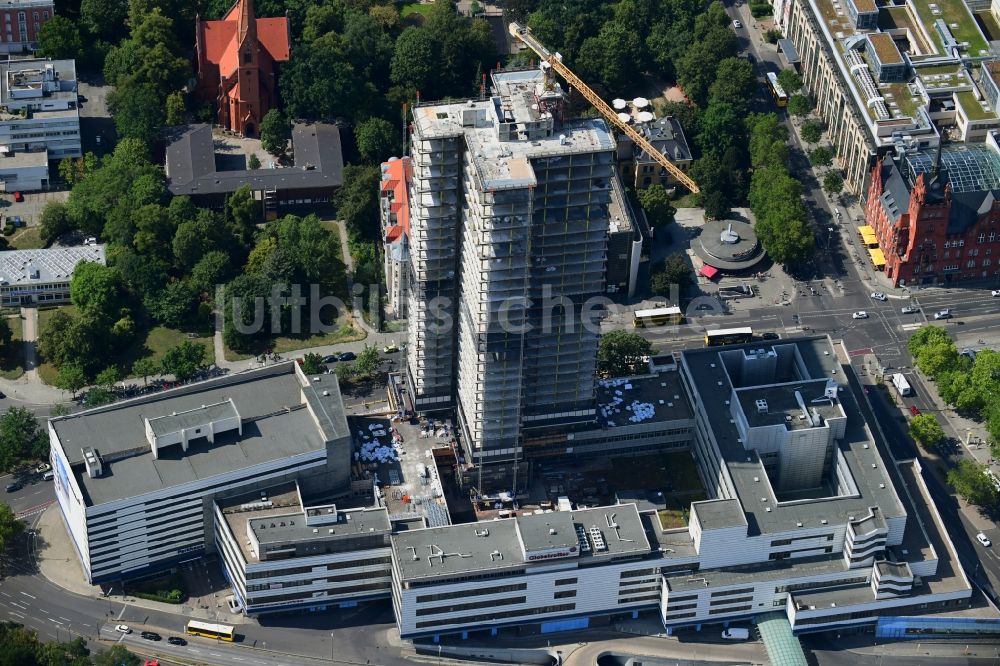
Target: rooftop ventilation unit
{"x": 761, "y": 405}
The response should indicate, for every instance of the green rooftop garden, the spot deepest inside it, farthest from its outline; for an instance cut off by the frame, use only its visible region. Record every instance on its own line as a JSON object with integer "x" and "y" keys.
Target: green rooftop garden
{"x": 973, "y": 109}
{"x": 952, "y": 12}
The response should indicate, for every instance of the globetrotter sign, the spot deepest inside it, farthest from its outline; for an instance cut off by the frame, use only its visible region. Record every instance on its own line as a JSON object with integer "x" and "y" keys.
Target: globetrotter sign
{"x": 551, "y": 555}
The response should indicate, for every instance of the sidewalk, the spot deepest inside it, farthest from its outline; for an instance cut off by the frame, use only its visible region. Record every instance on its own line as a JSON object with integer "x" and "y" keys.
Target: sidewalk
{"x": 58, "y": 563}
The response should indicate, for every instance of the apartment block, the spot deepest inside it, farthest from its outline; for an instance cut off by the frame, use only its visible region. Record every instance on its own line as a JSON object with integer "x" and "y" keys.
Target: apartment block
{"x": 20, "y": 23}
{"x": 509, "y": 212}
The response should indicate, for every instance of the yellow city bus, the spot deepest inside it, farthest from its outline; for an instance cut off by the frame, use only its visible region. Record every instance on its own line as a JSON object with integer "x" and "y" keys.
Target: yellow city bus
{"x": 657, "y": 317}
{"x": 728, "y": 336}
{"x": 222, "y": 632}
{"x": 779, "y": 94}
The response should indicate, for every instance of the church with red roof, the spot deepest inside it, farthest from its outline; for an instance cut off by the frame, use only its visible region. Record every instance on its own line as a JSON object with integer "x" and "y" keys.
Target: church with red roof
{"x": 237, "y": 59}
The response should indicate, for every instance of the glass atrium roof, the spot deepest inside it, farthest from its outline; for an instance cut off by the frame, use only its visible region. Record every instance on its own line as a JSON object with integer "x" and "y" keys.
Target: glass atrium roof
{"x": 971, "y": 167}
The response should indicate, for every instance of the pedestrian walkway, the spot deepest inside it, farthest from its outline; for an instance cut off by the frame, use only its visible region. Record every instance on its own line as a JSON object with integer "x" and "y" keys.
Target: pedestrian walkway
{"x": 29, "y": 386}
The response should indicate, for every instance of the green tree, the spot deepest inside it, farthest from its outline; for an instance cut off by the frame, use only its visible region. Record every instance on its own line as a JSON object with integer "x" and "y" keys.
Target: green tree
{"x": 145, "y": 367}
{"x": 969, "y": 480}
{"x": 275, "y": 132}
{"x": 621, "y": 353}
{"x": 721, "y": 130}
{"x": 71, "y": 377}
{"x": 107, "y": 377}
{"x": 241, "y": 214}
{"x": 367, "y": 362}
{"x": 104, "y": 18}
{"x": 174, "y": 306}
{"x": 185, "y": 360}
{"x": 833, "y": 182}
{"x": 59, "y": 38}
{"x": 176, "y": 108}
{"x": 924, "y": 336}
{"x": 734, "y": 85}
{"x": 319, "y": 83}
{"x": 790, "y": 80}
{"x": 212, "y": 270}
{"x": 799, "y": 105}
{"x": 116, "y": 656}
{"x": 54, "y": 222}
{"x": 96, "y": 290}
{"x": 6, "y": 334}
{"x": 345, "y": 372}
{"x": 253, "y": 162}
{"x": 821, "y": 156}
{"x": 73, "y": 653}
{"x": 656, "y": 203}
{"x": 937, "y": 357}
{"x": 768, "y": 136}
{"x": 312, "y": 364}
{"x": 673, "y": 272}
{"x": 812, "y": 131}
{"x": 926, "y": 431}
{"x": 357, "y": 201}
{"x": 21, "y": 437}
{"x": 377, "y": 139}
{"x": 414, "y": 60}
{"x": 10, "y": 527}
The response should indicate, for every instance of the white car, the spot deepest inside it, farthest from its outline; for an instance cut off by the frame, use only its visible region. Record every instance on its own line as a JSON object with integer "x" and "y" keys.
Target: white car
{"x": 860, "y": 314}
{"x": 995, "y": 292}
{"x": 943, "y": 314}
{"x": 983, "y": 539}
{"x": 910, "y": 309}
{"x": 737, "y": 24}
{"x": 879, "y": 296}
{"x": 123, "y": 628}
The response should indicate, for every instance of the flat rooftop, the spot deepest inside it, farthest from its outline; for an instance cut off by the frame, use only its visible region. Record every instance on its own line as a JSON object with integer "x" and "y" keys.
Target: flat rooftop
{"x": 782, "y": 407}
{"x": 283, "y": 521}
{"x": 495, "y": 544}
{"x": 631, "y": 400}
{"x": 755, "y": 573}
{"x": 819, "y": 360}
{"x": 22, "y": 159}
{"x": 281, "y": 418}
{"x": 21, "y": 81}
{"x": 43, "y": 266}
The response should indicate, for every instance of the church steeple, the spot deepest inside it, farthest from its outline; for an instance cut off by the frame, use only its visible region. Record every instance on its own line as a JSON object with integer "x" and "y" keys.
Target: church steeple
{"x": 246, "y": 29}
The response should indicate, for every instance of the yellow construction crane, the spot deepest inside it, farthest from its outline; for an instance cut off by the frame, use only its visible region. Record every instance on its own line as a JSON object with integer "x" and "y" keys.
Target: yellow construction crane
{"x": 554, "y": 60}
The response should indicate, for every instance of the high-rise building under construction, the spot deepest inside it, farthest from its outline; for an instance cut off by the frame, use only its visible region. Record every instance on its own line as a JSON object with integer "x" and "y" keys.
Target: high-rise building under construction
{"x": 508, "y": 240}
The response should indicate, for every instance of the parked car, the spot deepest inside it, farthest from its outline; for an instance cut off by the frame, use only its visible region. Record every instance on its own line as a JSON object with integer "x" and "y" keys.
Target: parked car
{"x": 348, "y": 356}
{"x": 910, "y": 309}
{"x": 90, "y": 240}
{"x": 770, "y": 335}
{"x": 879, "y": 296}
{"x": 736, "y": 634}
{"x": 43, "y": 467}
{"x": 176, "y": 640}
{"x": 390, "y": 349}
{"x": 995, "y": 292}
{"x": 14, "y": 487}
{"x": 331, "y": 358}
{"x": 48, "y": 476}
{"x": 123, "y": 628}
{"x": 983, "y": 539}
{"x": 914, "y": 410}
{"x": 737, "y": 24}
{"x": 943, "y": 314}
{"x": 150, "y": 635}
{"x": 860, "y": 314}
{"x": 18, "y": 197}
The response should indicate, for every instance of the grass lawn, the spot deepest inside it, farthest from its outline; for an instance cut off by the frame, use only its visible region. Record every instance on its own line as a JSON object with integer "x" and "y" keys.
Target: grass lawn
{"x": 345, "y": 332}
{"x": 952, "y": 11}
{"x": 671, "y": 519}
{"x": 26, "y": 238}
{"x": 12, "y": 356}
{"x": 973, "y": 109}
{"x": 415, "y": 8}
{"x": 689, "y": 200}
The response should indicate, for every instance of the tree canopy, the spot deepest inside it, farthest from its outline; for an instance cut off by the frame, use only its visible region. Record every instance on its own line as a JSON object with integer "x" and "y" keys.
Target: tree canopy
{"x": 622, "y": 353}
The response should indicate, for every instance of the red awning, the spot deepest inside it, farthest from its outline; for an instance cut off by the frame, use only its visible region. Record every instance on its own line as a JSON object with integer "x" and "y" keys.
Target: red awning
{"x": 709, "y": 271}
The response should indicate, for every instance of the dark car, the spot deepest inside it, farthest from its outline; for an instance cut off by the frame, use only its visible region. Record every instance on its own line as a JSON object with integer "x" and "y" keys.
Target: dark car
{"x": 770, "y": 336}
{"x": 150, "y": 635}
{"x": 348, "y": 356}
{"x": 332, "y": 358}
{"x": 14, "y": 487}
{"x": 176, "y": 640}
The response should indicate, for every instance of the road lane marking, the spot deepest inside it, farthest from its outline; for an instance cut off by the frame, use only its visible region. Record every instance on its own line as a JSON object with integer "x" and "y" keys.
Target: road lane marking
{"x": 55, "y": 622}
{"x": 30, "y": 596}
{"x": 65, "y": 618}
{"x": 20, "y": 615}
{"x": 6, "y": 595}
{"x": 194, "y": 650}
{"x": 44, "y": 611}
{"x": 14, "y": 603}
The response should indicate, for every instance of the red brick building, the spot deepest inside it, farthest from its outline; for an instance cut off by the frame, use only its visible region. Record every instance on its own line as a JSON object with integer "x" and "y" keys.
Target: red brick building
{"x": 937, "y": 217}
{"x": 20, "y": 22}
{"x": 237, "y": 58}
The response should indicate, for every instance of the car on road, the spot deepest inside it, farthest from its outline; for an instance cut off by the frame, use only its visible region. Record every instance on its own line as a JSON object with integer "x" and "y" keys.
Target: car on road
{"x": 914, "y": 410}
{"x": 348, "y": 356}
{"x": 43, "y": 468}
{"x": 910, "y": 309}
{"x": 2, "y": 395}
{"x": 14, "y": 487}
{"x": 18, "y": 197}
{"x": 390, "y": 349}
{"x": 770, "y": 335}
{"x": 150, "y": 635}
{"x": 995, "y": 292}
{"x": 943, "y": 314}
{"x": 331, "y": 358}
{"x": 860, "y": 314}
{"x": 123, "y": 629}
{"x": 737, "y": 24}
{"x": 879, "y": 296}
{"x": 176, "y": 640}
{"x": 983, "y": 539}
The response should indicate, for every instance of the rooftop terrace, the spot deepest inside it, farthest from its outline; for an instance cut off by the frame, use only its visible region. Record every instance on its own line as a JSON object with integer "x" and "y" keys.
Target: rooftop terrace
{"x": 654, "y": 398}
